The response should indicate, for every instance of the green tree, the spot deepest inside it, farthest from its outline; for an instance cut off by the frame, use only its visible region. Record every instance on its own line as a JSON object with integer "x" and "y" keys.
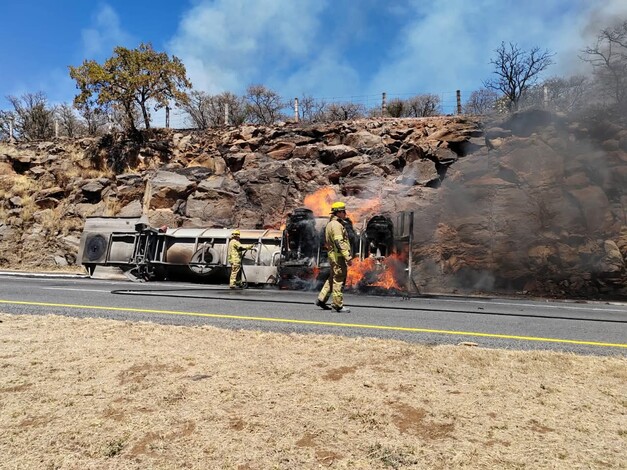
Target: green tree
{"x": 132, "y": 79}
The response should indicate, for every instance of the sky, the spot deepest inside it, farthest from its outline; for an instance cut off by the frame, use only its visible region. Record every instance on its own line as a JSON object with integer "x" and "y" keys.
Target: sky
{"x": 336, "y": 50}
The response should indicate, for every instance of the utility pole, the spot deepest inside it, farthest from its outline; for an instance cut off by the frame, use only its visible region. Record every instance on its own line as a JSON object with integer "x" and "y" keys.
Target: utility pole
{"x": 459, "y": 101}
{"x": 384, "y": 104}
{"x": 11, "y": 124}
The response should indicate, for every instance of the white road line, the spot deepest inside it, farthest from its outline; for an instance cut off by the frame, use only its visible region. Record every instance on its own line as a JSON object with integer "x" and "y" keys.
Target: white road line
{"x": 512, "y": 304}
{"x": 79, "y": 290}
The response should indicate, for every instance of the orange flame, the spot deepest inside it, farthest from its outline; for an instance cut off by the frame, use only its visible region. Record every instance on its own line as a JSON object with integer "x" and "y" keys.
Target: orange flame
{"x": 366, "y": 209}
{"x": 315, "y": 270}
{"x": 320, "y": 203}
{"x": 386, "y": 273}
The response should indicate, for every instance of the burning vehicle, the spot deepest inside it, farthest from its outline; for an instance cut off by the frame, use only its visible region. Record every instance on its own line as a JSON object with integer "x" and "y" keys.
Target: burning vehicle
{"x": 294, "y": 257}
{"x": 291, "y": 257}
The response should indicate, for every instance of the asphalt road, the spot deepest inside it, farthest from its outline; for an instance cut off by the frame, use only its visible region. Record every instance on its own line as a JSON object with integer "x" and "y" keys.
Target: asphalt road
{"x": 598, "y": 328}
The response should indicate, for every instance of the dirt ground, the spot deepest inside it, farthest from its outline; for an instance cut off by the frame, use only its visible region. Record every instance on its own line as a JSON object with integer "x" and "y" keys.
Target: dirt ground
{"x": 106, "y": 394}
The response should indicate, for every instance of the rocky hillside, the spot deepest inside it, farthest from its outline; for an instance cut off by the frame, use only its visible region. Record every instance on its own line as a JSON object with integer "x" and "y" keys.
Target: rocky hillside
{"x": 535, "y": 203}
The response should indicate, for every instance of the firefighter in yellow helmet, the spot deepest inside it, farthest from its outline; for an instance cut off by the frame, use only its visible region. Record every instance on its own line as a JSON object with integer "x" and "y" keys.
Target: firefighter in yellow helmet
{"x": 236, "y": 253}
{"x": 339, "y": 249}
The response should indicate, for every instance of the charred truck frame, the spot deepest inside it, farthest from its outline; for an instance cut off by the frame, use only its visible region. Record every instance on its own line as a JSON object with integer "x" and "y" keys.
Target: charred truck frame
{"x": 293, "y": 257}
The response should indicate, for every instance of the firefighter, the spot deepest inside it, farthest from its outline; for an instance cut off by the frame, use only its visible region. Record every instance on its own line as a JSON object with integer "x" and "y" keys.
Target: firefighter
{"x": 338, "y": 246}
{"x": 236, "y": 253}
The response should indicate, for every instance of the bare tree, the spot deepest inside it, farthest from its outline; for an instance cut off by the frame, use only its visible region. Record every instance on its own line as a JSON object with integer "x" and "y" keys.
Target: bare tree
{"x": 422, "y": 106}
{"x": 344, "y": 112}
{"x": 558, "y": 94}
{"x": 568, "y": 94}
{"x": 416, "y": 106}
{"x": 197, "y": 108}
{"x": 263, "y": 105}
{"x": 69, "y": 123}
{"x": 95, "y": 119}
{"x": 236, "y": 106}
{"x": 481, "y": 102}
{"x": 396, "y": 108}
{"x": 608, "y": 57}
{"x": 33, "y": 118}
{"x": 517, "y": 70}
{"x": 207, "y": 111}
{"x": 310, "y": 109}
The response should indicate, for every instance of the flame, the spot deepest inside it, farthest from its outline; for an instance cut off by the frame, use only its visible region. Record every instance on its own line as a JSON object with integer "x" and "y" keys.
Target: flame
{"x": 366, "y": 209}
{"x": 360, "y": 269}
{"x": 315, "y": 271}
{"x": 320, "y": 202}
{"x": 386, "y": 273}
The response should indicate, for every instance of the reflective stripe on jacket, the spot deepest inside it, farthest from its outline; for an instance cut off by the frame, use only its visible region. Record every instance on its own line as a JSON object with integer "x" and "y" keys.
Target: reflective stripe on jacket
{"x": 336, "y": 239}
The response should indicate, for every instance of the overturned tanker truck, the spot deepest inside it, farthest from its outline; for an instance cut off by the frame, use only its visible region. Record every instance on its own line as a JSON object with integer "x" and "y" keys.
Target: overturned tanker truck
{"x": 292, "y": 257}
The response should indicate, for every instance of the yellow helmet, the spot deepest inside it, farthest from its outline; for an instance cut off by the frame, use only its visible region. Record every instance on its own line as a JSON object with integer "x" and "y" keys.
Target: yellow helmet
{"x": 235, "y": 233}
{"x": 338, "y": 206}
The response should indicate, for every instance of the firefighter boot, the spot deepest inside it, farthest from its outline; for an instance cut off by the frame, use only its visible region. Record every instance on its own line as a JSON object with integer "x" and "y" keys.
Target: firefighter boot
{"x": 322, "y": 305}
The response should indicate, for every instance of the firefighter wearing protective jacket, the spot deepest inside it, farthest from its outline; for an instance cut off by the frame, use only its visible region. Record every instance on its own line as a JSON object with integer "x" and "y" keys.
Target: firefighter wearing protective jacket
{"x": 339, "y": 249}
{"x": 236, "y": 253}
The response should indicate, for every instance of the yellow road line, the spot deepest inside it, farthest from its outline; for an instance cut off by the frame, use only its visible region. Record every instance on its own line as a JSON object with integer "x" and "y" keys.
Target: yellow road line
{"x": 320, "y": 323}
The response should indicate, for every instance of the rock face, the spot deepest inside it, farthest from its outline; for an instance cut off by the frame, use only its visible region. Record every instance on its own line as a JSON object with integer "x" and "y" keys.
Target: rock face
{"x": 532, "y": 203}
{"x": 541, "y": 212}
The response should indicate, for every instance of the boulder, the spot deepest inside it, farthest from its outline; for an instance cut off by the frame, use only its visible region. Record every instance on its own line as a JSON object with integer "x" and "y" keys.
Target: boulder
{"x": 281, "y": 150}
{"x": 532, "y": 163}
{"x": 132, "y": 209}
{"x": 612, "y": 264}
{"x": 92, "y": 189}
{"x": 421, "y": 172}
{"x": 362, "y": 140}
{"x": 214, "y": 206}
{"x": 594, "y": 207}
{"x": 306, "y": 152}
{"x": 166, "y": 187}
{"x": 335, "y": 153}
{"x": 235, "y": 161}
{"x": 364, "y": 180}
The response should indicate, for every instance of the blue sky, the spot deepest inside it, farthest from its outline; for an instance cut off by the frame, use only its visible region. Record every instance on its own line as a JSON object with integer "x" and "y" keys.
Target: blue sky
{"x": 328, "y": 49}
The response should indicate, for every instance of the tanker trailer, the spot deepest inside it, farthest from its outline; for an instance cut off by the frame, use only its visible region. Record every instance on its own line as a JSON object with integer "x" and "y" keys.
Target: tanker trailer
{"x": 195, "y": 254}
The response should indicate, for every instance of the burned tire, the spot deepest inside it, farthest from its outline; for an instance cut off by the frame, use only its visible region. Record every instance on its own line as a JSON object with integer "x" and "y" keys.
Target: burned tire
{"x": 95, "y": 248}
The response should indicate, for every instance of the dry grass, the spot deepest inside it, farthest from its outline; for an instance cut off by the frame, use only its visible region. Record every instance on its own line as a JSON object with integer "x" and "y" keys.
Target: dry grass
{"x": 19, "y": 185}
{"x": 101, "y": 394}
{"x": 56, "y": 221}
